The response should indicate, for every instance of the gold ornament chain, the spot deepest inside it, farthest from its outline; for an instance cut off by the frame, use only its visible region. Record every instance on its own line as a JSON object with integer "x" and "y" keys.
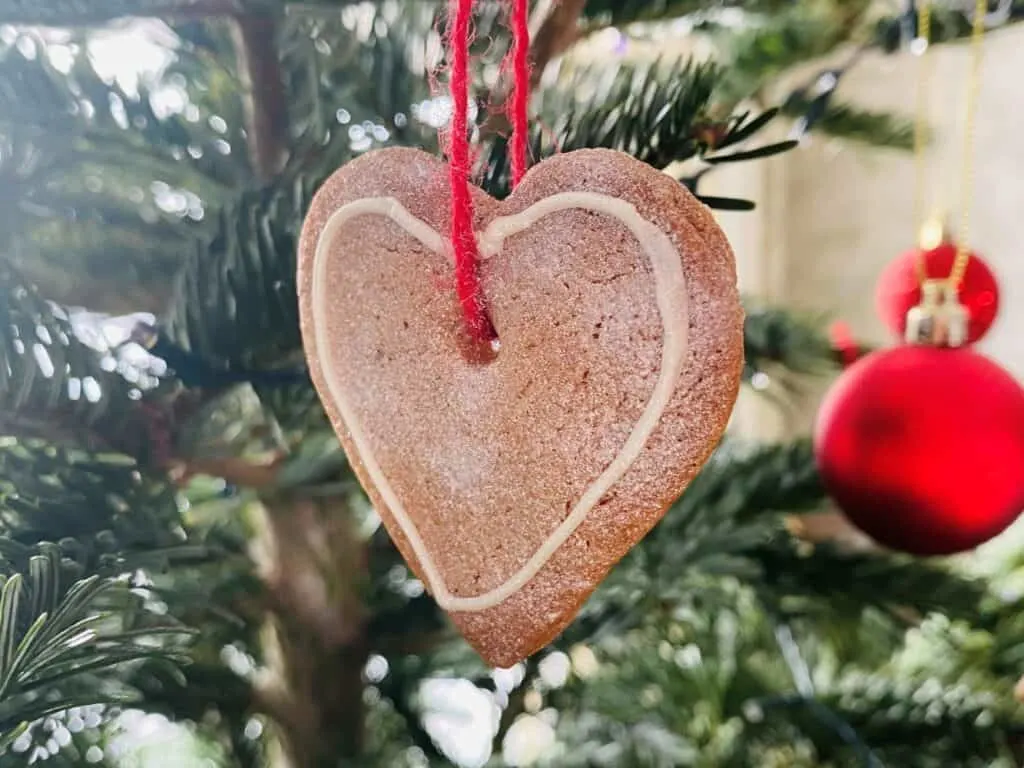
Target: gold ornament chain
{"x": 967, "y": 178}
{"x": 924, "y": 81}
{"x": 924, "y": 25}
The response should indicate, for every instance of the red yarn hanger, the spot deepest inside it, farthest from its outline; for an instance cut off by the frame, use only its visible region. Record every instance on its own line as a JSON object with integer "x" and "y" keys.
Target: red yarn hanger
{"x": 467, "y": 256}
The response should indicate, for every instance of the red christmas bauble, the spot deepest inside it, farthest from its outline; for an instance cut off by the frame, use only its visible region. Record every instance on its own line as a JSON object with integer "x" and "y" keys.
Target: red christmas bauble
{"x": 923, "y": 448}
{"x": 899, "y": 289}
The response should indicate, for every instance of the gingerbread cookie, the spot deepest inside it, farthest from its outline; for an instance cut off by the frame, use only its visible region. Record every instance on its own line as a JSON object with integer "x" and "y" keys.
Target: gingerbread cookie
{"x": 513, "y": 486}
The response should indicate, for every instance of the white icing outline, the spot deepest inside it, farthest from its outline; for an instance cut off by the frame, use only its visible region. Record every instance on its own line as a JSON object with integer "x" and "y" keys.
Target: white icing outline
{"x": 670, "y": 288}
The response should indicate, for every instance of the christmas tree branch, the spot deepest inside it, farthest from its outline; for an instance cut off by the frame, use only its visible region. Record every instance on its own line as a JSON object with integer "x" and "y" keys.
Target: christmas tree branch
{"x": 43, "y": 670}
{"x": 892, "y": 582}
{"x": 97, "y": 246}
{"x": 899, "y": 716}
{"x": 63, "y": 13}
{"x": 56, "y": 387}
{"x": 56, "y": 428}
{"x": 774, "y": 338}
{"x": 235, "y": 470}
{"x": 878, "y": 129}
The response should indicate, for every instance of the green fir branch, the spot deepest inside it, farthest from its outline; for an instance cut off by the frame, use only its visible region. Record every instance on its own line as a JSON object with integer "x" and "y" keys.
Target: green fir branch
{"x": 774, "y": 339}
{"x": 92, "y": 174}
{"x": 662, "y": 113}
{"x": 649, "y": 111}
{"x": 619, "y": 13}
{"x": 824, "y": 578}
{"x": 772, "y": 44}
{"x": 56, "y": 637}
{"x": 57, "y": 388}
{"x": 907, "y": 720}
{"x": 846, "y": 121}
{"x": 63, "y": 13}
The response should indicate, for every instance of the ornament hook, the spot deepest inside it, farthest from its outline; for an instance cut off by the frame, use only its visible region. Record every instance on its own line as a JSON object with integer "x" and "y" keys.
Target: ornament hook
{"x": 940, "y": 320}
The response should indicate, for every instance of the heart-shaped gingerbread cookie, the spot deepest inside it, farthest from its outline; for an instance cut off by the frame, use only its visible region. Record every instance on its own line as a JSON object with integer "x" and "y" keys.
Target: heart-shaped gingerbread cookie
{"x": 512, "y": 486}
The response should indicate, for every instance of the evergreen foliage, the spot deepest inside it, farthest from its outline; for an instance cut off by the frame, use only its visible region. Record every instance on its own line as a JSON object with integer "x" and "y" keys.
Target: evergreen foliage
{"x": 170, "y": 489}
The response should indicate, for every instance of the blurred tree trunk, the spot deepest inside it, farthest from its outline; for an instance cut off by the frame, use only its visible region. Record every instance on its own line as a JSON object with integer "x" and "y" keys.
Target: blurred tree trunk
{"x": 314, "y": 642}
{"x": 266, "y": 107}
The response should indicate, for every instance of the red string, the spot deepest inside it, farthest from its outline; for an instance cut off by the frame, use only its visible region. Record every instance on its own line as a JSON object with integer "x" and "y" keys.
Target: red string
{"x": 520, "y": 96}
{"x": 467, "y": 258}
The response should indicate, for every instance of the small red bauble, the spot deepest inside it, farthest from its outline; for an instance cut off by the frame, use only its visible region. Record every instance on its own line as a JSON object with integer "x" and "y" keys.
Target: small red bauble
{"x": 899, "y": 289}
{"x": 923, "y": 448}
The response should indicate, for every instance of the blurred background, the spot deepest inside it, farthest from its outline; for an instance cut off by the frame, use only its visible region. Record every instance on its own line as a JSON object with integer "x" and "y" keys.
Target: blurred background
{"x": 190, "y": 574}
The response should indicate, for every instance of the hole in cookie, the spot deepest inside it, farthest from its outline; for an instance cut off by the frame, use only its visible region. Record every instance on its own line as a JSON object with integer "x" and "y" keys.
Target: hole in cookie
{"x": 477, "y": 345}
{"x": 476, "y": 351}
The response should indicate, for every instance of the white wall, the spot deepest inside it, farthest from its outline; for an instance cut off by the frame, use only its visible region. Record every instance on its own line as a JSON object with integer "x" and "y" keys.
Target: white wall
{"x": 832, "y": 214}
